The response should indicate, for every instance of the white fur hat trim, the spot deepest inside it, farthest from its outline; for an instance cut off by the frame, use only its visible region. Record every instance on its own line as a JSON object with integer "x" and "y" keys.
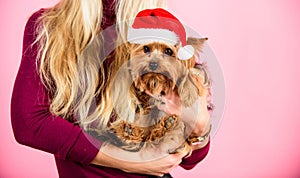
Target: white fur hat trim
{"x": 186, "y": 52}
{"x": 145, "y": 35}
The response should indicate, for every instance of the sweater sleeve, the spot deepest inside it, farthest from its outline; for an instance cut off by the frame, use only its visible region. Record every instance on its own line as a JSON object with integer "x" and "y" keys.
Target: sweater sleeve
{"x": 33, "y": 124}
{"x": 197, "y": 156}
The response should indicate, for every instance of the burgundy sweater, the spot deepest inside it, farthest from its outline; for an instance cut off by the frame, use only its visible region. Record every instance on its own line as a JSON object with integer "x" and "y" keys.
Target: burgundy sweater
{"x": 35, "y": 126}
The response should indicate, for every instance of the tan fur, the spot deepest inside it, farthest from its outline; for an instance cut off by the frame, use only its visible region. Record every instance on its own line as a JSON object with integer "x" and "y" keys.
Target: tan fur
{"x": 172, "y": 73}
{"x": 149, "y": 125}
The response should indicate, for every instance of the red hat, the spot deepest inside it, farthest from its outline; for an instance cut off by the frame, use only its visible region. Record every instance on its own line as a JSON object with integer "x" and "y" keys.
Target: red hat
{"x": 152, "y": 25}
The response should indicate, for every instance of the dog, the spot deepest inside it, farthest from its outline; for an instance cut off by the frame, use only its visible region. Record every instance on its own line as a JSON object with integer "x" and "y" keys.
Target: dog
{"x": 155, "y": 68}
{"x": 153, "y": 71}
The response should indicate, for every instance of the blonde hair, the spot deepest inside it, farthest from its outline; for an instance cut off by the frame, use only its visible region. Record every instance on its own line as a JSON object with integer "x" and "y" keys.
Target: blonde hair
{"x": 65, "y": 31}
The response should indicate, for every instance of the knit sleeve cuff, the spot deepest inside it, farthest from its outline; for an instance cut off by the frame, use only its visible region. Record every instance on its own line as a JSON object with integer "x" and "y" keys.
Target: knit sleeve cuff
{"x": 197, "y": 156}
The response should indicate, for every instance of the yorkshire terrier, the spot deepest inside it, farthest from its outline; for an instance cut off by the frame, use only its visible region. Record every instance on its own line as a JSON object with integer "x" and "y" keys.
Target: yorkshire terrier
{"x": 155, "y": 71}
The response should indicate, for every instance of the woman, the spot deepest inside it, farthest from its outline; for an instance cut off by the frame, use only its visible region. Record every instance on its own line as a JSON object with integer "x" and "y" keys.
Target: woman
{"x": 47, "y": 90}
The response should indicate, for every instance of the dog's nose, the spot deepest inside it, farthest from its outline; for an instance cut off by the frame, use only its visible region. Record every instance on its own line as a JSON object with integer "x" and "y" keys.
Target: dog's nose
{"x": 153, "y": 65}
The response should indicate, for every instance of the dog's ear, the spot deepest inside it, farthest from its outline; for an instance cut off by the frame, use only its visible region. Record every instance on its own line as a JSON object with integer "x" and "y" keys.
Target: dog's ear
{"x": 197, "y": 44}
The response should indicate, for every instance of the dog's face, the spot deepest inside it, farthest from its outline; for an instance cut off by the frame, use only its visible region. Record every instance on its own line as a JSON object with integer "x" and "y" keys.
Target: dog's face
{"x": 155, "y": 67}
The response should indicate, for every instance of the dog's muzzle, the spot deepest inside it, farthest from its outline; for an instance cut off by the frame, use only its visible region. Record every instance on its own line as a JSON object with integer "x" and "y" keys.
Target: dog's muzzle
{"x": 153, "y": 66}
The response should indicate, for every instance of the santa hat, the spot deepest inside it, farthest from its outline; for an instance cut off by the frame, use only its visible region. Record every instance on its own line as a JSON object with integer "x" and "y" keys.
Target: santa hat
{"x": 152, "y": 25}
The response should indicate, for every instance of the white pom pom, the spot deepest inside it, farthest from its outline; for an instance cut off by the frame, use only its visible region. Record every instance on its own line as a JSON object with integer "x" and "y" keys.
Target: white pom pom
{"x": 186, "y": 52}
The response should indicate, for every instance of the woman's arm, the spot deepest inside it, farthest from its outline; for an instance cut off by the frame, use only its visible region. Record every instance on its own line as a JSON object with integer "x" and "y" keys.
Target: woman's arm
{"x": 32, "y": 122}
{"x": 157, "y": 167}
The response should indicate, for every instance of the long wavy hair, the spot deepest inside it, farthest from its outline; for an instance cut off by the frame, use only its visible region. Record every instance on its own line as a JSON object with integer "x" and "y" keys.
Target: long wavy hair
{"x": 65, "y": 31}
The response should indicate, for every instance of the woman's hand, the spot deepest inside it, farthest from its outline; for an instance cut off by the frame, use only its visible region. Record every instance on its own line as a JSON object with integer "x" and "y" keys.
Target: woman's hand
{"x": 169, "y": 103}
{"x": 157, "y": 167}
{"x": 196, "y": 117}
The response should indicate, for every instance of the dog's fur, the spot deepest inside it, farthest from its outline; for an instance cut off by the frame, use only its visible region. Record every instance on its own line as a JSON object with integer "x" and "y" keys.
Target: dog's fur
{"x": 154, "y": 68}
{"x": 171, "y": 73}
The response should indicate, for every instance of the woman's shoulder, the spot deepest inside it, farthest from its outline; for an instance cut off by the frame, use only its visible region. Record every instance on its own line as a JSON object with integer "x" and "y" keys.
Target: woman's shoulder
{"x": 33, "y": 18}
{"x": 32, "y": 24}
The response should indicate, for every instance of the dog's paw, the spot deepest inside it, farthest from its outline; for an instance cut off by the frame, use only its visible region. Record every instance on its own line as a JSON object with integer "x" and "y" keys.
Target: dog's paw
{"x": 126, "y": 136}
{"x": 169, "y": 122}
{"x": 166, "y": 124}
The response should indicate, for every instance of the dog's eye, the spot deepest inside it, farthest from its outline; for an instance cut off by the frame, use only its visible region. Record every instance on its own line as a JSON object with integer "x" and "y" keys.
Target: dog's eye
{"x": 168, "y": 52}
{"x": 146, "y": 49}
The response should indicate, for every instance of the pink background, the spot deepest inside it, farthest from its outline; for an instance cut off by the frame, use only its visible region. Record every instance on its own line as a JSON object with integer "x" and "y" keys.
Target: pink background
{"x": 257, "y": 45}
